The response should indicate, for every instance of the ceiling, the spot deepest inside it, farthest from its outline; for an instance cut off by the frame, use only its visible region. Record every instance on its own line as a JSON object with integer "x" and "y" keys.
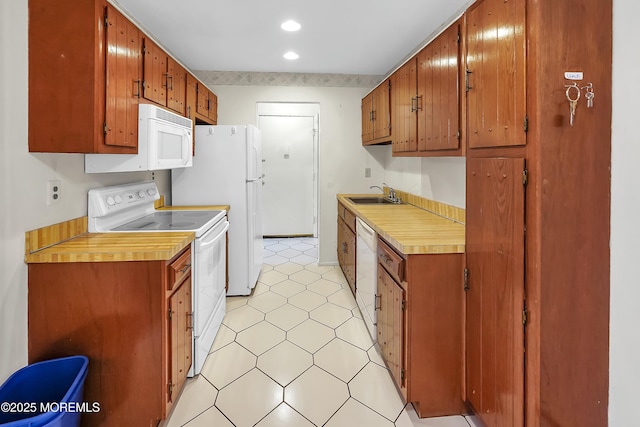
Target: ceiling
{"x": 338, "y": 36}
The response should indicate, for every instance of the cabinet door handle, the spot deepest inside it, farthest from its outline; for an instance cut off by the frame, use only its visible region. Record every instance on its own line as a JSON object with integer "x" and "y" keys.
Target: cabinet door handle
{"x": 418, "y": 104}
{"x": 466, "y": 79}
{"x": 344, "y": 247}
{"x": 378, "y": 298}
{"x": 185, "y": 268}
{"x": 373, "y": 116}
{"x": 168, "y": 77}
{"x": 137, "y": 83}
{"x": 190, "y": 321}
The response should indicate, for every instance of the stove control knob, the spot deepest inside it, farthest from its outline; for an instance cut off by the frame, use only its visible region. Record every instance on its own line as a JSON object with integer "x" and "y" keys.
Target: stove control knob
{"x": 110, "y": 201}
{"x": 151, "y": 192}
{"x": 141, "y": 194}
{"x": 118, "y": 199}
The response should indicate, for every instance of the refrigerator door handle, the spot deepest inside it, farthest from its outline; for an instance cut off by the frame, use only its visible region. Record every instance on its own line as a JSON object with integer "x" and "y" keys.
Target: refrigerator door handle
{"x": 253, "y": 180}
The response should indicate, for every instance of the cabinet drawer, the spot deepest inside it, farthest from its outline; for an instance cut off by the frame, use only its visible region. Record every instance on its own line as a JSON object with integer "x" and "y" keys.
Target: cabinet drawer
{"x": 179, "y": 269}
{"x": 350, "y": 220}
{"x": 390, "y": 260}
{"x": 348, "y": 217}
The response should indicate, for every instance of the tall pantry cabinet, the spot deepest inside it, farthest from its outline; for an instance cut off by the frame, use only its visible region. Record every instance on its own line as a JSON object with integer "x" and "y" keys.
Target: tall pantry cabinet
{"x": 538, "y": 212}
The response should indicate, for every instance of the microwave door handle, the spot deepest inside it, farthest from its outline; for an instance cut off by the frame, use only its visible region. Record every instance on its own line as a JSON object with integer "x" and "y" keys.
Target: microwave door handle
{"x": 187, "y": 147}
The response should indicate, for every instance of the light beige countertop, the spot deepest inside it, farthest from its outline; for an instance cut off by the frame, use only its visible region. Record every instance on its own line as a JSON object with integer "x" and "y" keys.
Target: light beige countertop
{"x": 411, "y": 230}
{"x": 70, "y": 241}
{"x": 111, "y": 247}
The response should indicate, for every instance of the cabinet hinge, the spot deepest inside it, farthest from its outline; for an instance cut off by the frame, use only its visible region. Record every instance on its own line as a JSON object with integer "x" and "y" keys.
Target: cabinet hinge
{"x": 526, "y": 124}
{"x": 525, "y": 317}
{"x": 404, "y": 304}
{"x": 170, "y": 314}
{"x": 459, "y": 134}
{"x": 459, "y": 37}
{"x": 105, "y": 129}
{"x": 525, "y": 177}
{"x": 466, "y": 279}
{"x": 402, "y": 374}
{"x": 170, "y": 390}
{"x": 106, "y": 19}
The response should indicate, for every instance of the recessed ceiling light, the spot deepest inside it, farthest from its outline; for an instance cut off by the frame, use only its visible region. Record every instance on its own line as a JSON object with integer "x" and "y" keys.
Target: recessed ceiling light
{"x": 290, "y": 25}
{"x": 291, "y": 55}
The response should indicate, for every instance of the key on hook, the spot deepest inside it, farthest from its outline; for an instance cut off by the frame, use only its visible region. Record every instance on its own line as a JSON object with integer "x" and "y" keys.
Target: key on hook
{"x": 573, "y": 102}
{"x": 589, "y": 95}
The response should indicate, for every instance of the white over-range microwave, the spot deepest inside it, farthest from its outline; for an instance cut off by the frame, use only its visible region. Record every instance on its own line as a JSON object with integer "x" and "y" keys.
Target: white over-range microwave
{"x": 165, "y": 141}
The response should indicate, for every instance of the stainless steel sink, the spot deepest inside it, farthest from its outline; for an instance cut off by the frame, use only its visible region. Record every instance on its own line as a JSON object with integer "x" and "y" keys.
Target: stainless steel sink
{"x": 370, "y": 200}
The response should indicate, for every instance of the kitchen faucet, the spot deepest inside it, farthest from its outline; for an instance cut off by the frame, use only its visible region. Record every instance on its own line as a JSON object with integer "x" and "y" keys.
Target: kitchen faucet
{"x": 393, "y": 197}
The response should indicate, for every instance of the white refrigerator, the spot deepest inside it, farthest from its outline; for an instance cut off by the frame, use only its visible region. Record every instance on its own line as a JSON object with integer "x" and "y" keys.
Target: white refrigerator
{"x": 227, "y": 170}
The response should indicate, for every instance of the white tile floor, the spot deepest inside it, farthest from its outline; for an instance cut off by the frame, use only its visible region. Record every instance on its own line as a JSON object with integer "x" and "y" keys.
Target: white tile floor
{"x": 296, "y": 353}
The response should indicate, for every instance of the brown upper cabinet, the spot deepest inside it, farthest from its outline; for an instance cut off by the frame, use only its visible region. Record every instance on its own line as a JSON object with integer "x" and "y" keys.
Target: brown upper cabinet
{"x": 88, "y": 76}
{"x": 403, "y": 108}
{"x": 165, "y": 80}
{"x": 495, "y": 75}
{"x": 367, "y": 119}
{"x": 176, "y": 86}
{"x": 206, "y": 104}
{"x": 425, "y": 100}
{"x": 92, "y": 48}
{"x": 191, "y": 97}
{"x": 376, "y": 115}
{"x": 438, "y": 96}
{"x": 155, "y": 73}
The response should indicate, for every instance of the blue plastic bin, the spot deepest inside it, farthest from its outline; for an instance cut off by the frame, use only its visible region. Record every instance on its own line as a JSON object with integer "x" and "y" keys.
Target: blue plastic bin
{"x": 35, "y": 387}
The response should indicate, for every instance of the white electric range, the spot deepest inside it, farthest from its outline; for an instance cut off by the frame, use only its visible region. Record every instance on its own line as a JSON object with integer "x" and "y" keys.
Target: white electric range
{"x": 130, "y": 208}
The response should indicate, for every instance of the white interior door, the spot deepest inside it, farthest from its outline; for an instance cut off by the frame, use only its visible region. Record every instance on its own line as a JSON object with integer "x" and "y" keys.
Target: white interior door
{"x": 288, "y": 168}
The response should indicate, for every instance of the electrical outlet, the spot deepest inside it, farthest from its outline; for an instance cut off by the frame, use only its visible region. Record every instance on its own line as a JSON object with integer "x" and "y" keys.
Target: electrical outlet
{"x": 367, "y": 172}
{"x": 54, "y": 191}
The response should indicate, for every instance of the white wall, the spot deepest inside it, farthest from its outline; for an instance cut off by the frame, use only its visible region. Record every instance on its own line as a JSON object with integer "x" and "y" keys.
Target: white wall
{"x": 624, "y": 350}
{"x": 342, "y": 157}
{"x": 22, "y": 194}
{"x": 443, "y": 179}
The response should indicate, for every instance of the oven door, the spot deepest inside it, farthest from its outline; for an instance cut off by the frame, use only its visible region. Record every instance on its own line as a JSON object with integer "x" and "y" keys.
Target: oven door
{"x": 209, "y": 280}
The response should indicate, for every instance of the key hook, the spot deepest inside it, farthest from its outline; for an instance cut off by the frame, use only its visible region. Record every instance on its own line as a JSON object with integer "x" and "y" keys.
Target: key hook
{"x": 589, "y": 87}
{"x": 568, "y": 92}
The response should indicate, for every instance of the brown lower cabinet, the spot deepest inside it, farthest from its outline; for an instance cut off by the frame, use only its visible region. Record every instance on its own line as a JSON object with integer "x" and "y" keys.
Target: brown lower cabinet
{"x": 419, "y": 322}
{"x": 347, "y": 245}
{"x": 131, "y": 318}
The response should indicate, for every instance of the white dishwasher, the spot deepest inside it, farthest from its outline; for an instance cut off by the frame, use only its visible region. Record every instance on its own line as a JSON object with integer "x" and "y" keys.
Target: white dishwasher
{"x": 366, "y": 274}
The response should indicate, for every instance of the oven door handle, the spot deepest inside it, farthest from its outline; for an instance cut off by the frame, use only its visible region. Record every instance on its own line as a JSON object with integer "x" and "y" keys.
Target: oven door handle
{"x": 212, "y": 237}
